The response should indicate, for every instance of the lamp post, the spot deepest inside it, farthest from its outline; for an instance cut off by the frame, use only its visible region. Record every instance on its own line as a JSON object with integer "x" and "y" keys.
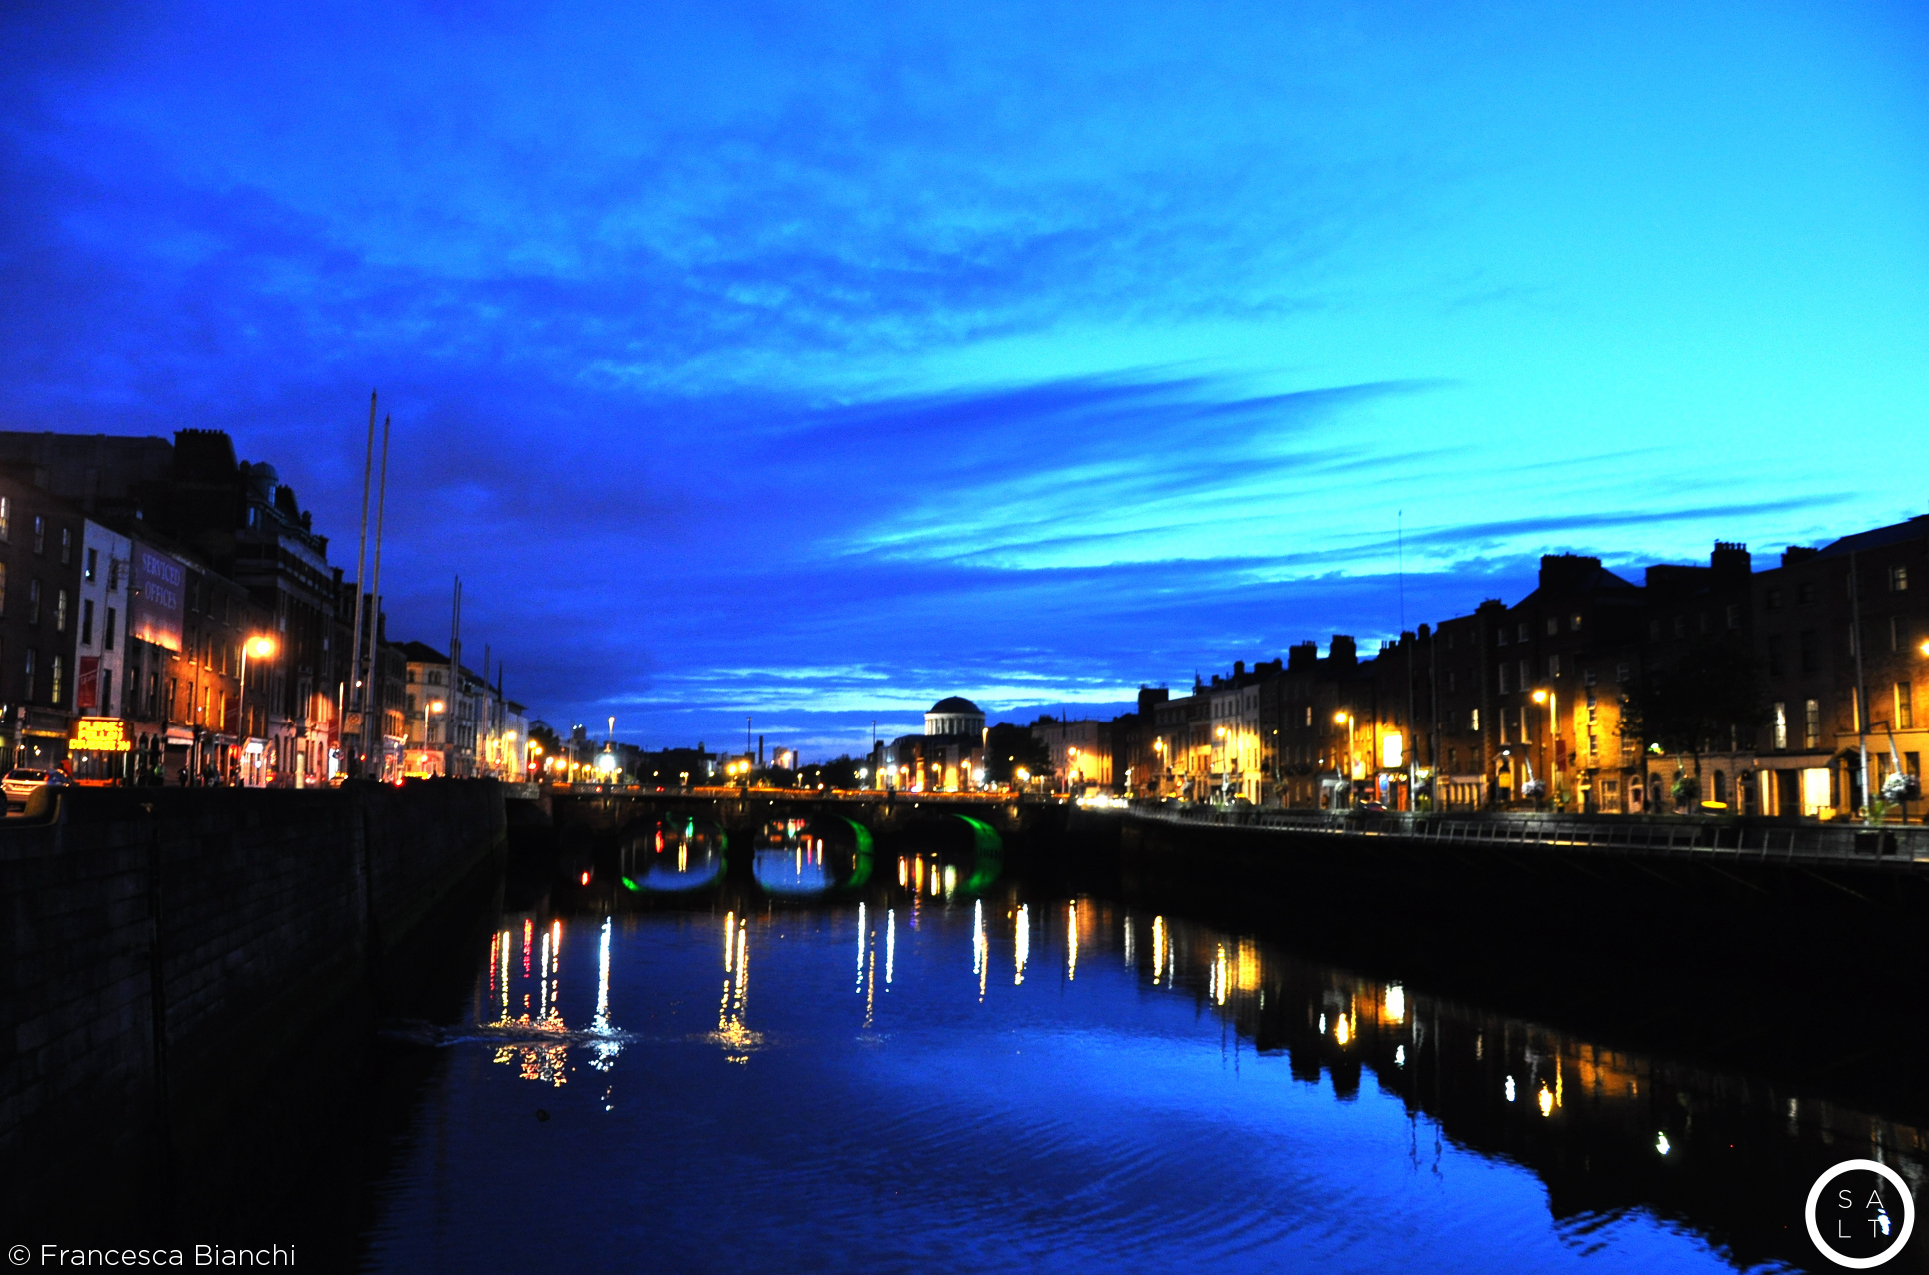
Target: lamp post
{"x": 261, "y": 647}
{"x": 1346, "y": 718}
{"x": 1159, "y": 775}
{"x": 1552, "y": 699}
{"x": 1219, "y": 742}
{"x": 428, "y": 706}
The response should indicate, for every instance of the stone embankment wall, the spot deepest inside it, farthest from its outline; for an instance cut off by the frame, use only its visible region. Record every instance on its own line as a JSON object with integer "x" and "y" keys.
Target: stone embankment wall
{"x": 153, "y": 937}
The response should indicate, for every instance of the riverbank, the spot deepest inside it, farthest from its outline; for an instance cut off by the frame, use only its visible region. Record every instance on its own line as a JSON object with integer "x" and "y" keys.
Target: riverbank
{"x": 164, "y": 946}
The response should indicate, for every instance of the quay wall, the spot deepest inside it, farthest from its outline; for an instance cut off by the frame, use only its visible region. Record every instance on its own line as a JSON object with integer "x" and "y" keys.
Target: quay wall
{"x": 156, "y": 938}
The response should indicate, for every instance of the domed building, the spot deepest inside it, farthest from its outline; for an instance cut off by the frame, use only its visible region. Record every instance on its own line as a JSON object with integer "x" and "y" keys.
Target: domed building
{"x": 947, "y": 757}
{"x": 954, "y": 715}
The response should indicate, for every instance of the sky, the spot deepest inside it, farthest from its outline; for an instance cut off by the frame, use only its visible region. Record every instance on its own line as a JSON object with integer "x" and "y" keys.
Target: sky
{"x": 812, "y": 362}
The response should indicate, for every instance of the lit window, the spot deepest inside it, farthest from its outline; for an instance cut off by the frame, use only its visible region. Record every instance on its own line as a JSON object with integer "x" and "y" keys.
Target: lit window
{"x": 1811, "y": 724}
{"x": 1781, "y": 725}
{"x": 1905, "y": 713}
{"x": 1574, "y": 623}
{"x": 1898, "y": 579}
{"x": 1553, "y": 625}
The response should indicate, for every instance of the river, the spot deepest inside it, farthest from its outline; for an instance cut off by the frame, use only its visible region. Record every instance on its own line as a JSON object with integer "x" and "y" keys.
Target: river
{"x": 935, "y": 1073}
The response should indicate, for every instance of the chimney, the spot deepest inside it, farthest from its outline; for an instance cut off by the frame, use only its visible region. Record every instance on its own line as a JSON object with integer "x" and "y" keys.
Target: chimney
{"x": 1731, "y": 560}
{"x": 1302, "y": 656}
{"x": 1343, "y": 650}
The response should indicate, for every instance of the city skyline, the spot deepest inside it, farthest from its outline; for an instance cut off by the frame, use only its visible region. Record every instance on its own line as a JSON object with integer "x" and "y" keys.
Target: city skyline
{"x": 816, "y": 368}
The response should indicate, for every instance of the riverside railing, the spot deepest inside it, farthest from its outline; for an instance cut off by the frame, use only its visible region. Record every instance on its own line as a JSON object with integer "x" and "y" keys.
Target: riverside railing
{"x": 1747, "y": 840}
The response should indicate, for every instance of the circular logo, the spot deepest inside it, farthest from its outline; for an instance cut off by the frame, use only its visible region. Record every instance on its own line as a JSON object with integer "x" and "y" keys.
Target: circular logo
{"x": 1860, "y": 1213}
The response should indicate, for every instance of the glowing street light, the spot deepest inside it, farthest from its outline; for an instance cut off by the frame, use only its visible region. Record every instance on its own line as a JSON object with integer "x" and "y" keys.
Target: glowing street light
{"x": 1345, "y": 718}
{"x": 262, "y": 647}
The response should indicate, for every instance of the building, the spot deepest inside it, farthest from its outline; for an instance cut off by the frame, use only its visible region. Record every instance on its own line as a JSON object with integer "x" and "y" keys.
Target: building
{"x": 1081, "y": 752}
{"x": 40, "y": 595}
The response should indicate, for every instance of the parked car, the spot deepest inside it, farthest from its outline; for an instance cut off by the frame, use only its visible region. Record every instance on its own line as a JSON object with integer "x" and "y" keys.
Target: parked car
{"x": 20, "y": 782}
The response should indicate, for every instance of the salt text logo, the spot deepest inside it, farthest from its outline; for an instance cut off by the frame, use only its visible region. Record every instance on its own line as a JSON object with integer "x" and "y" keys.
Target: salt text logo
{"x": 1860, "y": 1213}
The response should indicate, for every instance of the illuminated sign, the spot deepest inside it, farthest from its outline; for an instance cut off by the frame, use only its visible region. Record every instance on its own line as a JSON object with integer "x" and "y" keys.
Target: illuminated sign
{"x": 99, "y": 735}
{"x": 155, "y": 610}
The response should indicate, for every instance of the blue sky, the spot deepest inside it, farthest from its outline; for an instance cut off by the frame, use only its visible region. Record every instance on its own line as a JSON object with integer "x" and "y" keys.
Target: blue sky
{"x": 813, "y": 362}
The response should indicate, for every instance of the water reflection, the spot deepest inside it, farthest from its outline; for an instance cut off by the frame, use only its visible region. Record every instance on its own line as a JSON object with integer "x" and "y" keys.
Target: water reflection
{"x": 732, "y": 1032}
{"x": 1158, "y": 1041}
{"x": 678, "y": 854}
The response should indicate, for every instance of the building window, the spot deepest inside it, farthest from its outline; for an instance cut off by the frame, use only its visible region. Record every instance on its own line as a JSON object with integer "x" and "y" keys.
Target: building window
{"x": 93, "y": 560}
{"x": 66, "y": 546}
{"x": 1781, "y": 725}
{"x": 1553, "y": 666}
{"x": 1500, "y": 637}
{"x": 107, "y": 632}
{"x": 1905, "y": 713}
{"x": 87, "y": 622}
{"x": 1773, "y": 601}
{"x": 1473, "y": 719}
{"x": 1587, "y": 679}
{"x": 1895, "y": 633}
{"x": 1733, "y": 615}
{"x": 1553, "y": 625}
{"x": 57, "y": 688}
{"x": 31, "y": 653}
{"x": 1811, "y": 724}
{"x": 1309, "y": 714}
{"x": 60, "y": 610}
{"x": 1621, "y": 671}
{"x": 1681, "y": 626}
{"x": 39, "y": 534}
{"x": 1654, "y": 630}
{"x": 1526, "y": 675}
{"x": 1506, "y": 679}
{"x": 6, "y": 518}
{"x": 33, "y": 602}
{"x": 1574, "y": 623}
{"x": 1805, "y": 593}
{"x": 107, "y": 692}
{"x": 1898, "y": 579}
{"x": 1811, "y": 650}
{"x": 1523, "y": 630}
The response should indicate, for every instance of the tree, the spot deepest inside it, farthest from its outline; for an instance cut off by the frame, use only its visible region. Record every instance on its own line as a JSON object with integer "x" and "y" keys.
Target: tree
{"x": 1010, "y": 748}
{"x": 541, "y": 734}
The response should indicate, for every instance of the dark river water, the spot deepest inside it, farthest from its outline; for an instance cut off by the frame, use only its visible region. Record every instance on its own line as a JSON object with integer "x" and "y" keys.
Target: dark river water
{"x": 957, "y": 1075}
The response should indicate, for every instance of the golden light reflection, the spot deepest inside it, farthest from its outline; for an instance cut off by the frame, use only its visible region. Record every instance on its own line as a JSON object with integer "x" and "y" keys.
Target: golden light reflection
{"x": 861, "y": 936}
{"x": 1131, "y": 957}
{"x": 1342, "y": 1028}
{"x": 1158, "y": 949}
{"x": 890, "y": 944}
{"x": 1546, "y": 1099}
{"x": 1395, "y": 1010}
{"x": 1245, "y": 970}
{"x": 1071, "y": 942}
{"x": 1220, "y": 975}
{"x": 535, "y": 1059}
{"x": 1021, "y": 945}
{"x": 732, "y": 1032}
{"x": 980, "y": 948}
{"x": 603, "y": 1052}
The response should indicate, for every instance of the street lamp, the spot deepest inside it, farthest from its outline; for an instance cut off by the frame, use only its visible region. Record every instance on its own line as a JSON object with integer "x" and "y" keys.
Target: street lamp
{"x": 428, "y": 706}
{"x": 1552, "y": 700}
{"x": 1345, "y": 718}
{"x": 261, "y": 647}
